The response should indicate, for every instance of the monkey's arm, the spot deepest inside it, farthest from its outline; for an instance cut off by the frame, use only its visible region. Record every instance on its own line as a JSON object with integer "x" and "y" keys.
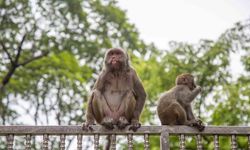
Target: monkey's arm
{"x": 194, "y": 93}
{"x": 89, "y": 114}
{"x": 90, "y": 118}
{"x": 140, "y": 96}
{"x": 185, "y": 96}
{"x": 99, "y": 84}
{"x": 190, "y": 115}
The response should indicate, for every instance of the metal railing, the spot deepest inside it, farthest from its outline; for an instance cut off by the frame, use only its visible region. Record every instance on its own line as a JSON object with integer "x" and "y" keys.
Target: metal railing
{"x": 163, "y": 131}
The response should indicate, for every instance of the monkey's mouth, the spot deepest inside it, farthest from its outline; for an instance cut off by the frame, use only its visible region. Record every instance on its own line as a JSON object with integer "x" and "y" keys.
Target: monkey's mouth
{"x": 113, "y": 62}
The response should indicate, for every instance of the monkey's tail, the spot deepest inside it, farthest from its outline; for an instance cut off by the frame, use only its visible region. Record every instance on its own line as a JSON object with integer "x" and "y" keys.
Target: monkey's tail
{"x": 107, "y": 146}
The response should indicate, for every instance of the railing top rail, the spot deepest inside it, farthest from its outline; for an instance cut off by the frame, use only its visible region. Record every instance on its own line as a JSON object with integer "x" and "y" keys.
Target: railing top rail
{"x": 152, "y": 130}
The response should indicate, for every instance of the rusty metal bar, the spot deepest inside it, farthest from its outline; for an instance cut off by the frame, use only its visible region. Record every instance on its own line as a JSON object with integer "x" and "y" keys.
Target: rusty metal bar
{"x": 130, "y": 141}
{"x": 182, "y": 142}
{"x": 234, "y": 142}
{"x": 10, "y": 141}
{"x": 216, "y": 142}
{"x": 113, "y": 142}
{"x": 79, "y": 142}
{"x": 45, "y": 142}
{"x": 152, "y": 130}
{"x": 146, "y": 142}
{"x": 248, "y": 142}
{"x": 62, "y": 142}
{"x": 28, "y": 142}
{"x": 164, "y": 140}
{"x": 199, "y": 142}
{"x": 146, "y": 131}
{"x": 96, "y": 142}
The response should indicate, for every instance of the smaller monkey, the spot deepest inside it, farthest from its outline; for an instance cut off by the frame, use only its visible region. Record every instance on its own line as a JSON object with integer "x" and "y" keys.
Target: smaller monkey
{"x": 174, "y": 107}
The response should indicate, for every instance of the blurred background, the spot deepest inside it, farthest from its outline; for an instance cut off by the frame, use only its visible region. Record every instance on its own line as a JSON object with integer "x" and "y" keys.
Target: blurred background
{"x": 51, "y": 52}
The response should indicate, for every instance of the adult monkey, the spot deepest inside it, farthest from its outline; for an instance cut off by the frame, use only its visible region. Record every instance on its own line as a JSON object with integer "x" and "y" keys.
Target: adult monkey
{"x": 118, "y": 96}
{"x": 174, "y": 107}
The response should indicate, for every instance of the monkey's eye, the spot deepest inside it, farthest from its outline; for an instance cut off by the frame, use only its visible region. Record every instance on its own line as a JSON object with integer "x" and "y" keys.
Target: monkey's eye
{"x": 111, "y": 53}
{"x": 118, "y": 53}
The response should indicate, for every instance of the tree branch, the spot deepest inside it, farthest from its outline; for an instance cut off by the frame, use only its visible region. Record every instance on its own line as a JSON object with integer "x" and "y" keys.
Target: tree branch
{"x": 32, "y": 59}
{"x": 6, "y": 51}
{"x": 19, "y": 49}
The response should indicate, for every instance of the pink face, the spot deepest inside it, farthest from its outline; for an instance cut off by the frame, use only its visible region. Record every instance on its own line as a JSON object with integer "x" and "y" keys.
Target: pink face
{"x": 115, "y": 58}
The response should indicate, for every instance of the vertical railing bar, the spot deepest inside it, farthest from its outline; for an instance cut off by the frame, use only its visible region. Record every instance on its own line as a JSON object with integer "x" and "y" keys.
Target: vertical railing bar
{"x": 113, "y": 142}
{"x": 248, "y": 142}
{"x": 28, "y": 142}
{"x": 79, "y": 142}
{"x": 45, "y": 142}
{"x": 130, "y": 141}
{"x": 10, "y": 141}
{"x": 199, "y": 142}
{"x": 182, "y": 142}
{"x": 216, "y": 142}
{"x": 164, "y": 140}
{"x": 96, "y": 141}
{"x": 62, "y": 142}
{"x": 146, "y": 142}
{"x": 234, "y": 142}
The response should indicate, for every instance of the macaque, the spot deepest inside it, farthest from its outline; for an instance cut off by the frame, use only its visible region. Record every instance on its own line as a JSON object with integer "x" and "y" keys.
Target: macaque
{"x": 174, "y": 107}
{"x": 118, "y": 96}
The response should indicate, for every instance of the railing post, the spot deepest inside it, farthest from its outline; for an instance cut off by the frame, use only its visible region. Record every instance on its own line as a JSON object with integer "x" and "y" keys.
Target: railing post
{"x": 233, "y": 142}
{"x": 248, "y": 142}
{"x": 45, "y": 142}
{"x": 113, "y": 142}
{"x": 28, "y": 144}
{"x": 10, "y": 140}
{"x": 146, "y": 142}
{"x": 199, "y": 142}
{"x": 62, "y": 142}
{"x": 79, "y": 142}
{"x": 96, "y": 141}
{"x": 130, "y": 141}
{"x": 164, "y": 139}
{"x": 182, "y": 142}
{"x": 216, "y": 142}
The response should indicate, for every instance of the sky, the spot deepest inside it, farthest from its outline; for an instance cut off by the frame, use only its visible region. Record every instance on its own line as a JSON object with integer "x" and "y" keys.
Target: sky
{"x": 161, "y": 21}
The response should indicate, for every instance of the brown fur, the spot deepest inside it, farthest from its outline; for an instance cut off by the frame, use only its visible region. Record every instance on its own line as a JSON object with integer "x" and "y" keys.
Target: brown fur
{"x": 174, "y": 107}
{"x": 118, "y": 96}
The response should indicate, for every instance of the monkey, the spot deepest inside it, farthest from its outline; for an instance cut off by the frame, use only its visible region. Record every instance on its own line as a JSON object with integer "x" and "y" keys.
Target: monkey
{"x": 118, "y": 96}
{"x": 174, "y": 106}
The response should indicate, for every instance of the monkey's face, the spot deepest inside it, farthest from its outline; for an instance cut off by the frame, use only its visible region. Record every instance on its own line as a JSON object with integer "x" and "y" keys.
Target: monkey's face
{"x": 115, "y": 59}
{"x": 186, "y": 79}
{"x": 191, "y": 84}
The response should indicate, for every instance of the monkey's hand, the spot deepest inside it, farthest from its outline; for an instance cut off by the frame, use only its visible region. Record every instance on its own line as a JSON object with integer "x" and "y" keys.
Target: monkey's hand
{"x": 198, "y": 88}
{"x": 87, "y": 126}
{"x": 135, "y": 124}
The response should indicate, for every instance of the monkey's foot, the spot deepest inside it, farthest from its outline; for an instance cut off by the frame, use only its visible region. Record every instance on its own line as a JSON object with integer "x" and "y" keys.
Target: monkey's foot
{"x": 122, "y": 123}
{"x": 199, "y": 125}
{"x": 87, "y": 126}
{"x": 135, "y": 124}
{"x": 108, "y": 123}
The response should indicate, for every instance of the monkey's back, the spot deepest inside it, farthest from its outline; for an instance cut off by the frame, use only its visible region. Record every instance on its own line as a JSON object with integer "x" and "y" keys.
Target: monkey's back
{"x": 168, "y": 108}
{"x": 166, "y": 97}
